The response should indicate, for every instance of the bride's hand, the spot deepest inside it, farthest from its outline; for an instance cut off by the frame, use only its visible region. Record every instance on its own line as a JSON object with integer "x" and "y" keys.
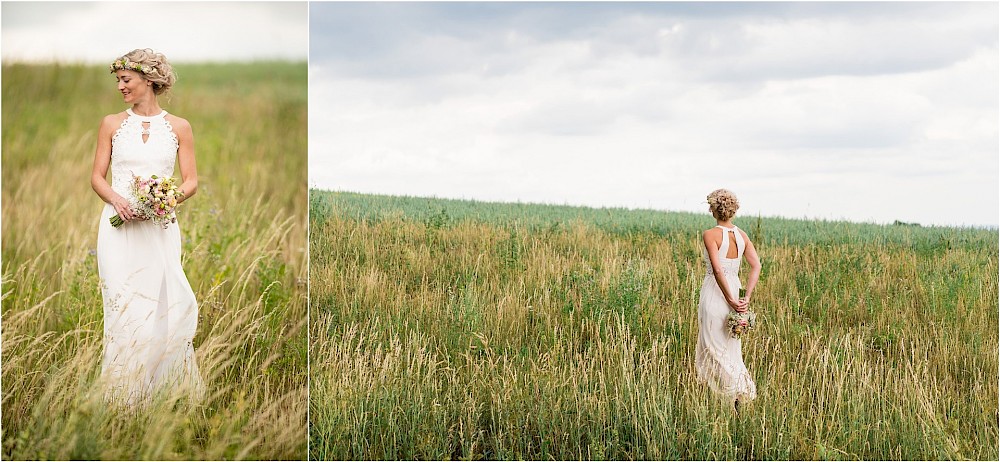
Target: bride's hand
{"x": 122, "y": 208}
{"x": 739, "y": 306}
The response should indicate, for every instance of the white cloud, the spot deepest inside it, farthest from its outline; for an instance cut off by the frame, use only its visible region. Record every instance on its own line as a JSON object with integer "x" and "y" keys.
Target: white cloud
{"x": 867, "y": 112}
{"x": 97, "y": 32}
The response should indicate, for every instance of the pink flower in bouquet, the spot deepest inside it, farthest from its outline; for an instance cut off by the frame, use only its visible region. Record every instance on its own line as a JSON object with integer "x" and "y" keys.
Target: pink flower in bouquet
{"x": 740, "y": 323}
{"x": 157, "y": 200}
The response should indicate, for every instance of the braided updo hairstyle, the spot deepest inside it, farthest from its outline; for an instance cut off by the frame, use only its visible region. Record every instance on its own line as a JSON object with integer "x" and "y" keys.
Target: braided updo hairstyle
{"x": 152, "y": 65}
{"x": 723, "y": 204}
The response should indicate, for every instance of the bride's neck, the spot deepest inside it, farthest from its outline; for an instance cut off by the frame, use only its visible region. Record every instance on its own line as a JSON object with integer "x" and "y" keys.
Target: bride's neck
{"x": 147, "y": 108}
{"x": 726, "y": 223}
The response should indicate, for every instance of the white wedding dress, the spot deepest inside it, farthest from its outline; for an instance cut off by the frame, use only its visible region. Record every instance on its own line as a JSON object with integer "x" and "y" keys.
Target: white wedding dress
{"x": 718, "y": 356}
{"x": 150, "y": 311}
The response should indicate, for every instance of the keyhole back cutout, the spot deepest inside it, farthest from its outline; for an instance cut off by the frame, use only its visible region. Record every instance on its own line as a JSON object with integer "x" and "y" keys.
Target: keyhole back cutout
{"x": 733, "y": 251}
{"x": 145, "y": 132}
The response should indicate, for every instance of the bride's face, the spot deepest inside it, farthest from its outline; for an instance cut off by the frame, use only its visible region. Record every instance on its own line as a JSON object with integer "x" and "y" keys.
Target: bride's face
{"x": 132, "y": 85}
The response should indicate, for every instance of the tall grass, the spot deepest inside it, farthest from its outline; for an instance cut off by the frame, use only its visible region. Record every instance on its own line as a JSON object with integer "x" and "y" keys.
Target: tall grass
{"x": 244, "y": 252}
{"x": 452, "y": 329}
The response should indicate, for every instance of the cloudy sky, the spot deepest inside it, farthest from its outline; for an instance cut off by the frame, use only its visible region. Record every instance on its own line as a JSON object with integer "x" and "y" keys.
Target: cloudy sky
{"x": 860, "y": 111}
{"x": 97, "y": 32}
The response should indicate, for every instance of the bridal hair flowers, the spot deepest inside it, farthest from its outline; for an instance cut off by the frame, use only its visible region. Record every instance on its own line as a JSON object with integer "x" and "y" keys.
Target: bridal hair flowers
{"x": 152, "y": 65}
{"x": 124, "y": 64}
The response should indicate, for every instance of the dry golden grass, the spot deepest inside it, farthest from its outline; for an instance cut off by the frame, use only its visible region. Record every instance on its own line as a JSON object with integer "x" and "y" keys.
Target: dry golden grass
{"x": 244, "y": 241}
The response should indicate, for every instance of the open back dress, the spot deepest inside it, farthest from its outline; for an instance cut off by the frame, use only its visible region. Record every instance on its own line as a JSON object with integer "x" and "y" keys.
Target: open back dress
{"x": 718, "y": 356}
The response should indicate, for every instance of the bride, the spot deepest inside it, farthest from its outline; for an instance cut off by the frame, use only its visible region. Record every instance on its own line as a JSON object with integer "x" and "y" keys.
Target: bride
{"x": 150, "y": 311}
{"x": 719, "y": 357}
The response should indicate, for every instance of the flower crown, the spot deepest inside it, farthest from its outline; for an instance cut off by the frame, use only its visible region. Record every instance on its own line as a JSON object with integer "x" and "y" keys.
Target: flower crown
{"x": 125, "y": 64}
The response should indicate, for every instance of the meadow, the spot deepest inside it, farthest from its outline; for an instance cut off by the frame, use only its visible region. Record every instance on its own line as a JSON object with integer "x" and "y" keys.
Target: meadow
{"x": 244, "y": 252}
{"x": 446, "y": 329}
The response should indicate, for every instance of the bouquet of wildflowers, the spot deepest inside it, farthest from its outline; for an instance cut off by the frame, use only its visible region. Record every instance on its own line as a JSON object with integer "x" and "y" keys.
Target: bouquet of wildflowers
{"x": 156, "y": 199}
{"x": 740, "y": 323}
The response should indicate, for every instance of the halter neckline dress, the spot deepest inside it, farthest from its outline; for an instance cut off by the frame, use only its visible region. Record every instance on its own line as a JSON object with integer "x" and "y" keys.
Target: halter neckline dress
{"x": 150, "y": 310}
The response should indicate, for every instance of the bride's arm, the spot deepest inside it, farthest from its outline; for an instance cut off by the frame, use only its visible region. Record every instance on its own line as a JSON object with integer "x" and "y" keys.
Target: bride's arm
{"x": 102, "y": 160}
{"x": 713, "y": 257}
{"x": 750, "y": 253}
{"x": 185, "y": 156}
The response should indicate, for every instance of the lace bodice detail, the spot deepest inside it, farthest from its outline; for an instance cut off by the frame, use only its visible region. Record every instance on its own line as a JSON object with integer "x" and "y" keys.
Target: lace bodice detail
{"x": 131, "y": 156}
{"x": 730, "y": 266}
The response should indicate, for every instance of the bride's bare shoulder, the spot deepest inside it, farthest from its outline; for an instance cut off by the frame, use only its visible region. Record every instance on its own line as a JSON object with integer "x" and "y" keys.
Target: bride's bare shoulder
{"x": 713, "y": 234}
{"x": 175, "y": 119}
{"x": 111, "y": 122}
{"x": 180, "y": 125}
{"x": 115, "y": 119}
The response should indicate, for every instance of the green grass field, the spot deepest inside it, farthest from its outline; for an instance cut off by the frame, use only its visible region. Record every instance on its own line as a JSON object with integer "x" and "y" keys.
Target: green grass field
{"x": 453, "y": 329}
{"x": 244, "y": 252}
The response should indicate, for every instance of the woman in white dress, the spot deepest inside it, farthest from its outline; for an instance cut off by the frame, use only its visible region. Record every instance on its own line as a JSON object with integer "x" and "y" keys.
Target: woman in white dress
{"x": 718, "y": 356}
{"x": 150, "y": 311}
